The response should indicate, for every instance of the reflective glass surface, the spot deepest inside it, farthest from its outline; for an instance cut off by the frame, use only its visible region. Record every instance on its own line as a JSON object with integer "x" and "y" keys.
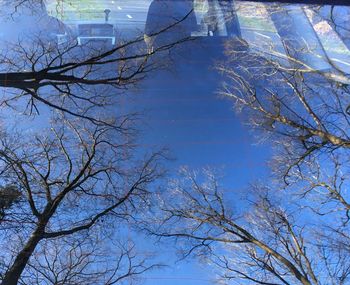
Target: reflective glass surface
{"x": 206, "y": 135}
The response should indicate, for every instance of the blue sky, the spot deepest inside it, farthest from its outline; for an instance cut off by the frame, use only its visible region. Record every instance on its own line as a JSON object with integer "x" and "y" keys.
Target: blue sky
{"x": 183, "y": 112}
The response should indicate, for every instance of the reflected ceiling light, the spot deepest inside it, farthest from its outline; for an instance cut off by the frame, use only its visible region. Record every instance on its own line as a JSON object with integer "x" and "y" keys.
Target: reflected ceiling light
{"x": 129, "y": 16}
{"x": 119, "y": 8}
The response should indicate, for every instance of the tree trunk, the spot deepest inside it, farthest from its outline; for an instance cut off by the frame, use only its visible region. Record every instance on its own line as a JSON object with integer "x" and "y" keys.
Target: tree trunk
{"x": 14, "y": 273}
{"x": 19, "y": 80}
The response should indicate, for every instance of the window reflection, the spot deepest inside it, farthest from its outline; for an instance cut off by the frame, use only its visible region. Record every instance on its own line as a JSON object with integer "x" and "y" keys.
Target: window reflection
{"x": 314, "y": 37}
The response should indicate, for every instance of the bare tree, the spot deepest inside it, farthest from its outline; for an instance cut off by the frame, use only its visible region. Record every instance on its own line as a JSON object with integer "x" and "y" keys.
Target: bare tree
{"x": 77, "y": 79}
{"x": 304, "y": 110}
{"x": 293, "y": 230}
{"x": 264, "y": 239}
{"x": 84, "y": 260}
{"x": 71, "y": 179}
{"x": 81, "y": 178}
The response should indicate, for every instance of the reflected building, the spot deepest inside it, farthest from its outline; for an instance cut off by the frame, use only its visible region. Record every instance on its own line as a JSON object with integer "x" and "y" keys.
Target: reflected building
{"x": 279, "y": 30}
{"x": 208, "y": 17}
{"x": 315, "y": 36}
